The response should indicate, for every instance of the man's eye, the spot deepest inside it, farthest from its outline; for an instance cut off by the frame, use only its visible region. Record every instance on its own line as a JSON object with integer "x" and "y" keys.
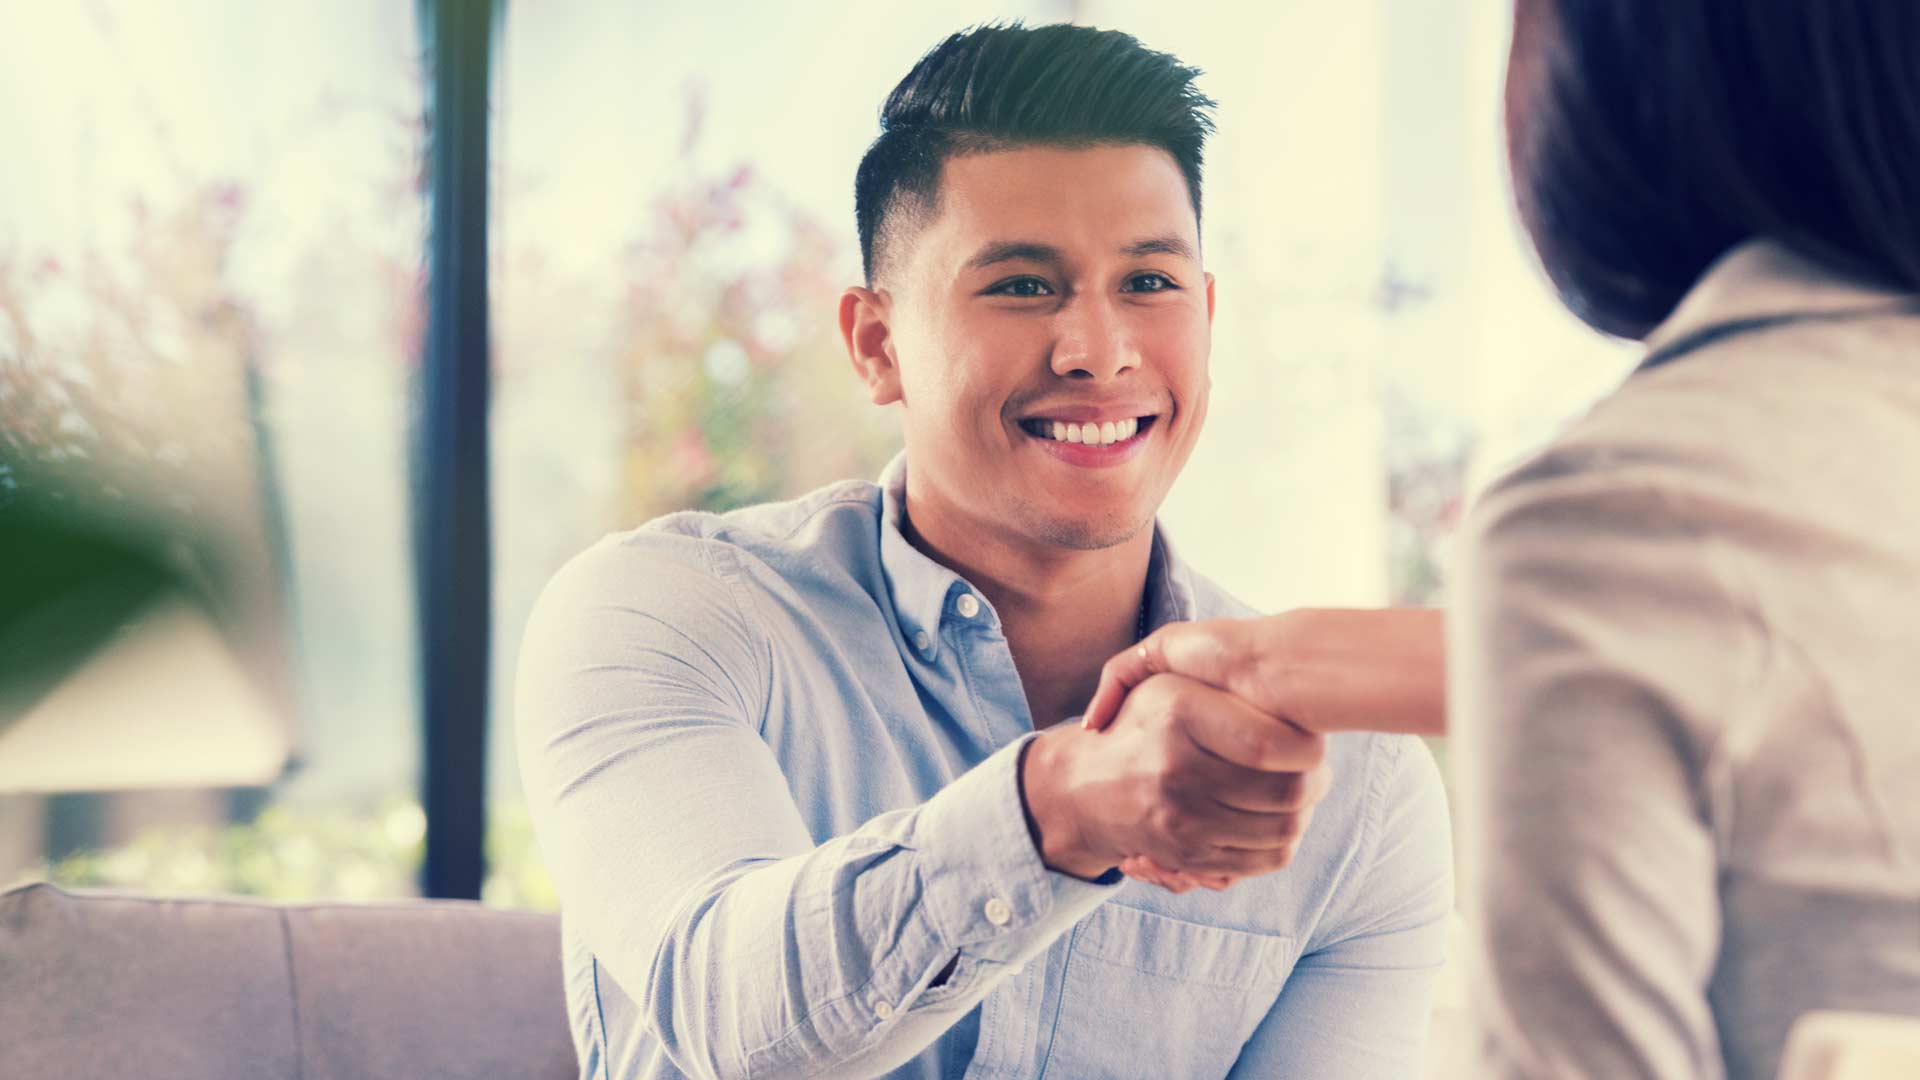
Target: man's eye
{"x": 1026, "y": 286}
{"x": 1150, "y": 283}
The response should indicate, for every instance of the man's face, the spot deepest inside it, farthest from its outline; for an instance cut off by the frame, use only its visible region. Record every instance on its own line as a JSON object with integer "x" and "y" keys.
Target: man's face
{"x": 1049, "y": 327}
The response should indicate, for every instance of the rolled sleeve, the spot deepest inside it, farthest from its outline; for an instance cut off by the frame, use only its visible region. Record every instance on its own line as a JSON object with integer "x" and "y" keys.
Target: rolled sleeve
{"x": 990, "y": 892}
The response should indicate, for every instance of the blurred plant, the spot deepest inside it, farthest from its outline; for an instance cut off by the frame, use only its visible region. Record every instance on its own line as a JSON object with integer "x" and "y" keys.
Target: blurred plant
{"x": 1427, "y": 457}
{"x": 132, "y": 446}
{"x": 135, "y": 378}
{"x": 295, "y": 853}
{"x": 737, "y": 385}
{"x": 285, "y": 853}
{"x": 123, "y": 380}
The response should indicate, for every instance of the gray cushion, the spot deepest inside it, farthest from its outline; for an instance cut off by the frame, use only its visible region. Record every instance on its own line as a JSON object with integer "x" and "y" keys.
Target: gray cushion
{"x": 100, "y": 984}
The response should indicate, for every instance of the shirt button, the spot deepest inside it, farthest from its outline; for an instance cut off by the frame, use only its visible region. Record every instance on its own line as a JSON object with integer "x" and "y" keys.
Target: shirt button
{"x": 921, "y": 641}
{"x": 998, "y": 913}
{"x": 967, "y": 605}
{"x": 883, "y": 1010}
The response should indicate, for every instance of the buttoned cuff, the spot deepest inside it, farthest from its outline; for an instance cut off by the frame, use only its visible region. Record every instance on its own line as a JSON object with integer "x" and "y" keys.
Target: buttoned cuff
{"x": 987, "y": 888}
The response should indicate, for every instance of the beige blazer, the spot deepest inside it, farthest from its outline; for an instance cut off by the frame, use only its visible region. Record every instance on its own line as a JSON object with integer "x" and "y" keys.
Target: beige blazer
{"x": 1685, "y": 683}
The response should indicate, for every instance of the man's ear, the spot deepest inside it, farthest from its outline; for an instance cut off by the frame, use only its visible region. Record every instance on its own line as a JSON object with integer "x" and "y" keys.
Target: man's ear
{"x": 869, "y": 337}
{"x": 1209, "y": 299}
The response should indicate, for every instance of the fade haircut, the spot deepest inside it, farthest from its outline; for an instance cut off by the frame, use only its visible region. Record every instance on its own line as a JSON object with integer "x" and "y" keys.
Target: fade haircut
{"x": 1002, "y": 86}
{"x": 1657, "y": 134}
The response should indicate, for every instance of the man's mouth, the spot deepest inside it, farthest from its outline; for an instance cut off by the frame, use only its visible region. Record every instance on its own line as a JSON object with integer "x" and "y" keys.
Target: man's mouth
{"x": 1102, "y": 433}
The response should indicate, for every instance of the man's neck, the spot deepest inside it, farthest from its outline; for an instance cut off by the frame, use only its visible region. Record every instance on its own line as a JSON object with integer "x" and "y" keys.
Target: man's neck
{"x": 1064, "y": 611}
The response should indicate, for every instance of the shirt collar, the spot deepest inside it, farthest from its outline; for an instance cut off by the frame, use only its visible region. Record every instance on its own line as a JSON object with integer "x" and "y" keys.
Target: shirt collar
{"x": 923, "y": 589}
{"x": 1763, "y": 280}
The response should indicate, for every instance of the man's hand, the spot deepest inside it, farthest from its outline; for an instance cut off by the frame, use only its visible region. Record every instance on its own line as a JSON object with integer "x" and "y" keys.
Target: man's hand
{"x": 1323, "y": 670}
{"x": 1191, "y": 777}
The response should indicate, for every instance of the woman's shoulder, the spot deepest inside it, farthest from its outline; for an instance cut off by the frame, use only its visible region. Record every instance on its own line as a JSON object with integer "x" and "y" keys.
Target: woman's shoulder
{"x": 1800, "y": 422}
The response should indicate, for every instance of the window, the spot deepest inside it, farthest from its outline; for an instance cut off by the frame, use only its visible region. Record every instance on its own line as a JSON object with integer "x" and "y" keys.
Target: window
{"x": 210, "y": 245}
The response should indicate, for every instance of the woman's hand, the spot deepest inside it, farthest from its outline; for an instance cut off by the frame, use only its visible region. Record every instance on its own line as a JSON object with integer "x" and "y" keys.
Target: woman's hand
{"x": 1322, "y": 670}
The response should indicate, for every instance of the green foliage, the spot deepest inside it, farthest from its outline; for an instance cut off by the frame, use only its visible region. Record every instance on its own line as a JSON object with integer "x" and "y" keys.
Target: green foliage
{"x": 294, "y": 853}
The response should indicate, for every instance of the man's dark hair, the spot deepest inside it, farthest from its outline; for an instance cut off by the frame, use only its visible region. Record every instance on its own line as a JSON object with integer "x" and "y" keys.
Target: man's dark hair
{"x": 1656, "y": 134}
{"x": 1001, "y": 86}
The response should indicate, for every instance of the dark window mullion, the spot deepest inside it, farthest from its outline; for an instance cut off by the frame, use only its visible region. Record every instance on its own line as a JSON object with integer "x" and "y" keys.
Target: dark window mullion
{"x": 452, "y": 526}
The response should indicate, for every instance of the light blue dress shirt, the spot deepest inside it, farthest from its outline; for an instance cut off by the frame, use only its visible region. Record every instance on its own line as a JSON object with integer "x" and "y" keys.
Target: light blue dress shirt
{"x": 772, "y": 760}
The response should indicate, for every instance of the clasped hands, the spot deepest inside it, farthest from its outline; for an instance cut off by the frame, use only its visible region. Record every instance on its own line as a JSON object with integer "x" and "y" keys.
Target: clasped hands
{"x": 1202, "y": 755}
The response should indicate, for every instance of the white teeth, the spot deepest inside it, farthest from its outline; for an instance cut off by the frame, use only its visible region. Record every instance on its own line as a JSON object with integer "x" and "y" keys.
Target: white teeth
{"x": 1102, "y": 434}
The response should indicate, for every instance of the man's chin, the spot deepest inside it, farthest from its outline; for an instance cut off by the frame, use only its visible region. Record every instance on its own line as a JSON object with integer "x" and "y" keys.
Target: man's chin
{"x": 1089, "y": 533}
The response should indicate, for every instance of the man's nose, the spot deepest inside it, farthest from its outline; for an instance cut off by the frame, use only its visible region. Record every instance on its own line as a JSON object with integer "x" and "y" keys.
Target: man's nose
{"x": 1091, "y": 341}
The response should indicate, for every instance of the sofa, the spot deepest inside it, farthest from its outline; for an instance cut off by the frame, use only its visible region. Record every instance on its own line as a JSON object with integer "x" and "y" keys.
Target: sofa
{"x": 96, "y": 984}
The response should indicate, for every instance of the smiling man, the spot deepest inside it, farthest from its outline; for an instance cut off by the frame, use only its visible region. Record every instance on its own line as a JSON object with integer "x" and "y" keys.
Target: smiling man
{"x": 799, "y": 771}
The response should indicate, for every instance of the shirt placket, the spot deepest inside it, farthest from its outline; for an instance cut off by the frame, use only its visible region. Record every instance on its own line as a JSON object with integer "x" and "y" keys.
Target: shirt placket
{"x": 986, "y": 666}
{"x": 1009, "y": 1015}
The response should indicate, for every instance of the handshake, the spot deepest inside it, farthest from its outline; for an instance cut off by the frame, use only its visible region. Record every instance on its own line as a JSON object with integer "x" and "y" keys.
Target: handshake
{"x": 1203, "y": 753}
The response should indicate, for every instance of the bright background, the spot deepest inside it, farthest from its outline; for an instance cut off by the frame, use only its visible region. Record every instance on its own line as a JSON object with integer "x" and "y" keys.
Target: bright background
{"x": 199, "y": 194}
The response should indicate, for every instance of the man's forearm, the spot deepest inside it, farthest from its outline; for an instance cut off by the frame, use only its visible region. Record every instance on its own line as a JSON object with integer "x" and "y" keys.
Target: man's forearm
{"x": 834, "y": 918}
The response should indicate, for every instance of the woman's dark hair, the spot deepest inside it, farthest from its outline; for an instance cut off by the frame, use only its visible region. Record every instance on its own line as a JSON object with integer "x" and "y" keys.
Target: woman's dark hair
{"x": 1000, "y": 86}
{"x": 1649, "y": 136}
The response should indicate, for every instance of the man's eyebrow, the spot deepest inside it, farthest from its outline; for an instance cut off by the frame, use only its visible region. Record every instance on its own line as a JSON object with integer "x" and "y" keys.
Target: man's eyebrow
{"x": 1031, "y": 251}
{"x": 1159, "y": 245}
{"x": 1014, "y": 251}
